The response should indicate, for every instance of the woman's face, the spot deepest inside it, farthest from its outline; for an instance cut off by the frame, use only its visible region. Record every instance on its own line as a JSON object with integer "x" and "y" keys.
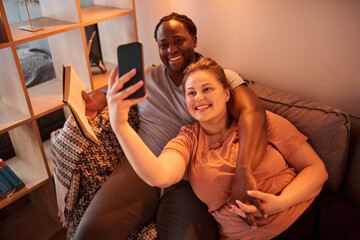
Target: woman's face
{"x": 206, "y": 97}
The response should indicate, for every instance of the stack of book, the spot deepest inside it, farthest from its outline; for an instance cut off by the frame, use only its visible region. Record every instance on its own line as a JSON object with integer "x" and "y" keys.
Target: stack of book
{"x": 9, "y": 181}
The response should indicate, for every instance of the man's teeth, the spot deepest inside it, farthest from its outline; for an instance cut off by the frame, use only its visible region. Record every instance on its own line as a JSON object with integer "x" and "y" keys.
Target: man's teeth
{"x": 175, "y": 58}
{"x": 202, "y": 107}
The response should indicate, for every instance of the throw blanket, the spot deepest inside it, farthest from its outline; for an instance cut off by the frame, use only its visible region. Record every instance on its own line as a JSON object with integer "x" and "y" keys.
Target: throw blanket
{"x": 81, "y": 167}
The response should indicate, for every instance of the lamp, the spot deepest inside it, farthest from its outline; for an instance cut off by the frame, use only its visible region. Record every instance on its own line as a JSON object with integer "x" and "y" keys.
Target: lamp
{"x": 30, "y": 27}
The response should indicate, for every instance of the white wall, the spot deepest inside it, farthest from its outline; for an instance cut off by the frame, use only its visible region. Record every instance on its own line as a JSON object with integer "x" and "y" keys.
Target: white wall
{"x": 309, "y": 48}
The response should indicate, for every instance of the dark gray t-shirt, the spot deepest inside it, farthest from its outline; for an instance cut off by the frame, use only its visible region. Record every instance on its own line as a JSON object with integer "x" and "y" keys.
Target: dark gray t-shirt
{"x": 164, "y": 111}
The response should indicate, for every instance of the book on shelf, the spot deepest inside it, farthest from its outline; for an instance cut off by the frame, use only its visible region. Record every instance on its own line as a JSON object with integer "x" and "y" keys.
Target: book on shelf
{"x": 72, "y": 88}
{"x": 10, "y": 182}
{"x": 6, "y": 189}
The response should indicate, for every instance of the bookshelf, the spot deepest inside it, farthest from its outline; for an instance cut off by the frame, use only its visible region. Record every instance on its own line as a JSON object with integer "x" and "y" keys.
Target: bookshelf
{"x": 63, "y": 24}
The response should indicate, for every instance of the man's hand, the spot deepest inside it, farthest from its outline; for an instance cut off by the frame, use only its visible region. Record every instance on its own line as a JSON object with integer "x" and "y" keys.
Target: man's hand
{"x": 94, "y": 103}
{"x": 245, "y": 181}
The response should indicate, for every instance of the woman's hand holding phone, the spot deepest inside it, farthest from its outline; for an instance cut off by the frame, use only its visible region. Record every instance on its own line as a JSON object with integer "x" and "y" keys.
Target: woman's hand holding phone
{"x": 117, "y": 97}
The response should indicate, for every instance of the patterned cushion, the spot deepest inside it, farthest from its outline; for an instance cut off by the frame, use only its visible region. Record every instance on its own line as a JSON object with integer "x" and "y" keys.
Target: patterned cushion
{"x": 327, "y": 128}
{"x": 81, "y": 167}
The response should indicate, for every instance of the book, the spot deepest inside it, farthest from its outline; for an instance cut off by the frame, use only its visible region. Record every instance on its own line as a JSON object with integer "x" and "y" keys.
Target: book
{"x": 10, "y": 175}
{"x": 72, "y": 88}
{"x": 6, "y": 188}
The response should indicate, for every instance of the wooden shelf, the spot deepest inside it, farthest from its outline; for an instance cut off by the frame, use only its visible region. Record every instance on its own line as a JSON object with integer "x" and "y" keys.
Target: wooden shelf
{"x": 94, "y": 14}
{"x": 29, "y": 187}
{"x": 4, "y": 45}
{"x": 63, "y": 24}
{"x": 46, "y": 97}
{"x": 12, "y": 118}
{"x": 101, "y": 80}
{"x": 29, "y": 222}
{"x": 46, "y": 145}
{"x": 50, "y": 27}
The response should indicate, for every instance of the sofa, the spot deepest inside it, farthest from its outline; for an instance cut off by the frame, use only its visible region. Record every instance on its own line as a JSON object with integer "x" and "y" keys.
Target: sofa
{"x": 333, "y": 134}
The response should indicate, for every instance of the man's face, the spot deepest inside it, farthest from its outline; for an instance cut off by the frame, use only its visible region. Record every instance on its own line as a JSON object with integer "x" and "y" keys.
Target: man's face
{"x": 176, "y": 46}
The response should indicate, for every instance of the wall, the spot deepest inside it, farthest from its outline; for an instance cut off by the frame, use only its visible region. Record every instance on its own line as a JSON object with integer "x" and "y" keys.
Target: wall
{"x": 307, "y": 48}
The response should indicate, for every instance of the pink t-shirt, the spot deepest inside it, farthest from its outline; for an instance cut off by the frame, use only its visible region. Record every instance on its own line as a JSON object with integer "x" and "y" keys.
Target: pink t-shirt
{"x": 212, "y": 170}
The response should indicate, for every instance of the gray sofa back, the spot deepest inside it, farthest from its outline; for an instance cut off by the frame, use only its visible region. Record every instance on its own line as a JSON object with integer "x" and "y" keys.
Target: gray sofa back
{"x": 327, "y": 128}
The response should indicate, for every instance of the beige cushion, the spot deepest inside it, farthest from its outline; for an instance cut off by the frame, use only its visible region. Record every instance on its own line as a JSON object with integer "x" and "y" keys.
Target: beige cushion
{"x": 326, "y": 127}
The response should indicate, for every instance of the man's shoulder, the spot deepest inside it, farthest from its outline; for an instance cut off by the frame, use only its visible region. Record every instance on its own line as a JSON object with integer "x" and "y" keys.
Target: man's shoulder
{"x": 154, "y": 68}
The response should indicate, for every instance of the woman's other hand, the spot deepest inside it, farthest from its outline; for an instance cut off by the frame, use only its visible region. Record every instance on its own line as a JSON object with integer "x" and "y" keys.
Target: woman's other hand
{"x": 272, "y": 204}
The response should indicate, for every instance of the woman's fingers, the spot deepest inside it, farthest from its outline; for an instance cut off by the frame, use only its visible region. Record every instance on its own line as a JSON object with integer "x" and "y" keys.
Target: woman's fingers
{"x": 238, "y": 211}
{"x": 130, "y": 90}
{"x": 246, "y": 207}
{"x": 115, "y": 84}
{"x": 247, "y": 217}
{"x": 258, "y": 204}
{"x": 113, "y": 77}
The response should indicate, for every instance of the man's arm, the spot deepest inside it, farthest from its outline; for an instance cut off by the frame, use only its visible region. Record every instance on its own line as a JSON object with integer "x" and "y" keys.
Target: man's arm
{"x": 248, "y": 109}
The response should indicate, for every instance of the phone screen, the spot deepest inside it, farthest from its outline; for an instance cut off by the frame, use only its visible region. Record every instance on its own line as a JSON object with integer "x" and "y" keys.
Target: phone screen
{"x": 129, "y": 57}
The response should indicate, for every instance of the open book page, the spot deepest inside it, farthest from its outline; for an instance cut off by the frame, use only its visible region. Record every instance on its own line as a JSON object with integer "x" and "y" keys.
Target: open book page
{"x": 73, "y": 98}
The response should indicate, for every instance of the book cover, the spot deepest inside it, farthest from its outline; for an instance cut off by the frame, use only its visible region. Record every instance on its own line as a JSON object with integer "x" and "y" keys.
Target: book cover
{"x": 13, "y": 178}
{"x": 5, "y": 188}
{"x": 8, "y": 187}
{"x": 72, "y": 88}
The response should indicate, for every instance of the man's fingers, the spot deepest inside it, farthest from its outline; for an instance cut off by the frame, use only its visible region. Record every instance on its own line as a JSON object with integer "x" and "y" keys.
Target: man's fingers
{"x": 257, "y": 197}
{"x": 246, "y": 217}
{"x": 84, "y": 95}
{"x": 259, "y": 206}
{"x": 251, "y": 220}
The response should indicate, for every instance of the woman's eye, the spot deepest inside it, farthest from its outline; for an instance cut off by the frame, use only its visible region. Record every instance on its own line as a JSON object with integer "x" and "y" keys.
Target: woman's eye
{"x": 206, "y": 89}
{"x": 190, "y": 93}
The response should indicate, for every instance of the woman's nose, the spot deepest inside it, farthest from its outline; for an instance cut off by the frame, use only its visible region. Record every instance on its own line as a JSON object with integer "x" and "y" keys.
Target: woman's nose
{"x": 199, "y": 96}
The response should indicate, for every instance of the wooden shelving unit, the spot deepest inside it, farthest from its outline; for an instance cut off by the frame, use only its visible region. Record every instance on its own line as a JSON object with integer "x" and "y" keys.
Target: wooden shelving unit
{"x": 63, "y": 24}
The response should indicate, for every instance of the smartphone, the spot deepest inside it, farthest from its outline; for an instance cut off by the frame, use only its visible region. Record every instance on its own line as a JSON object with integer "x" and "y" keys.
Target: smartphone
{"x": 130, "y": 56}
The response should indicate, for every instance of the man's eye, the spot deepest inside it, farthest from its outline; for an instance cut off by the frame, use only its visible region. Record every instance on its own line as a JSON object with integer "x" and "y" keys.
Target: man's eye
{"x": 179, "y": 41}
{"x": 163, "y": 45}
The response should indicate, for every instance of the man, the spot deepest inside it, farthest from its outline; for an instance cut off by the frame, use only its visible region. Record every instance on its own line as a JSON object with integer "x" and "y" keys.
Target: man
{"x": 124, "y": 202}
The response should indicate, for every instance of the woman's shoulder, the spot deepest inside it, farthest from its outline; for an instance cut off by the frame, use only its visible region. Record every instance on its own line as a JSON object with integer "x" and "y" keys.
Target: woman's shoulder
{"x": 191, "y": 128}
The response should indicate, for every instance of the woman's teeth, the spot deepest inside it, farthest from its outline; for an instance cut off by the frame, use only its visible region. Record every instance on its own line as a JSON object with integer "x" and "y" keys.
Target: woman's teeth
{"x": 202, "y": 107}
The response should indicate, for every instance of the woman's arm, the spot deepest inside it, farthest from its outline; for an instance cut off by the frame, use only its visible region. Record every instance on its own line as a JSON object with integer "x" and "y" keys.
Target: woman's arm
{"x": 163, "y": 171}
{"x": 308, "y": 183}
{"x": 305, "y": 186}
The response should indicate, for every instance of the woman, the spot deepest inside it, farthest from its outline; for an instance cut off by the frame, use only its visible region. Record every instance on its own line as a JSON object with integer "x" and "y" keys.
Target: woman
{"x": 289, "y": 177}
